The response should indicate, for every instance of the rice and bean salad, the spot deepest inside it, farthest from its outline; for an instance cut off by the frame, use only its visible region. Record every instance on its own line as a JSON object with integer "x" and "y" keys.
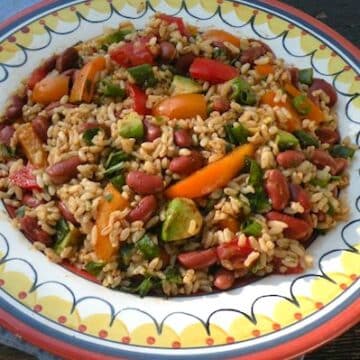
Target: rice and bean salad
{"x": 172, "y": 161}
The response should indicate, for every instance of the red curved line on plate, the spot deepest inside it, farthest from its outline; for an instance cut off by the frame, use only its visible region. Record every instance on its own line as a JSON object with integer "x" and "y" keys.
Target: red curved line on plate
{"x": 24, "y": 12}
{"x": 317, "y": 23}
{"x": 41, "y": 340}
{"x": 310, "y": 341}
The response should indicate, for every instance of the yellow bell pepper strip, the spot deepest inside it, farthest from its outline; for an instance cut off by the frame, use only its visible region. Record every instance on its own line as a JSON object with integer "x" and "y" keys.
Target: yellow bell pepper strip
{"x": 50, "y": 89}
{"x": 314, "y": 112}
{"x": 182, "y": 106}
{"x": 85, "y": 79}
{"x": 110, "y": 202}
{"x": 31, "y": 145}
{"x": 221, "y": 36}
{"x": 213, "y": 176}
{"x": 294, "y": 122}
{"x": 265, "y": 69}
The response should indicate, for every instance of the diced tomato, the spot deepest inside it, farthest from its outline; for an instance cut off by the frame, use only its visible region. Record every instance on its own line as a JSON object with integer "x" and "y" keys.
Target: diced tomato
{"x": 36, "y": 76}
{"x": 198, "y": 259}
{"x": 213, "y": 71}
{"x": 25, "y": 178}
{"x": 228, "y": 251}
{"x": 175, "y": 20}
{"x": 139, "y": 99}
{"x": 133, "y": 54}
{"x": 79, "y": 272}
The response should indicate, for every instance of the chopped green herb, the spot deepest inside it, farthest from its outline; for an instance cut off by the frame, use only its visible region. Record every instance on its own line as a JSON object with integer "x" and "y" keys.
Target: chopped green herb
{"x": 94, "y": 268}
{"x": 306, "y": 76}
{"x": 145, "y": 286}
{"x": 219, "y": 53}
{"x": 6, "y": 151}
{"x": 115, "y": 157}
{"x": 113, "y": 170}
{"x": 301, "y": 104}
{"x": 116, "y": 37}
{"x": 285, "y": 140}
{"x": 173, "y": 275}
{"x": 147, "y": 247}
{"x": 305, "y": 139}
{"x": 108, "y": 197}
{"x": 126, "y": 252}
{"x": 331, "y": 210}
{"x": 252, "y": 228}
{"x": 111, "y": 90}
{"x": 143, "y": 75}
{"x": 321, "y": 231}
{"x": 20, "y": 212}
{"x": 62, "y": 229}
{"x": 118, "y": 181}
{"x": 236, "y": 135}
{"x": 89, "y": 134}
{"x": 335, "y": 178}
{"x": 242, "y": 92}
{"x": 256, "y": 174}
{"x": 342, "y": 151}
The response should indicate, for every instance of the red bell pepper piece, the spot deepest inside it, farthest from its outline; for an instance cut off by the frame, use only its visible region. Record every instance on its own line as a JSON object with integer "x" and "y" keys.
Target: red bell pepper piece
{"x": 36, "y": 76}
{"x": 175, "y": 20}
{"x": 228, "y": 251}
{"x": 213, "y": 71}
{"x": 25, "y": 178}
{"x": 133, "y": 54}
{"x": 139, "y": 99}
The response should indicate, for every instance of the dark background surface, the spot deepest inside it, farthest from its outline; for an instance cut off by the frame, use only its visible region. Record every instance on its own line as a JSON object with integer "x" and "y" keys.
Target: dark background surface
{"x": 344, "y": 17}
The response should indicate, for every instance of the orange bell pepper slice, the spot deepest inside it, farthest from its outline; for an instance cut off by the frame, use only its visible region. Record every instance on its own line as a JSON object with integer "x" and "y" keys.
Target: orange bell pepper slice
{"x": 231, "y": 223}
{"x": 315, "y": 112}
{"x": 110, "y": 202}
{"x": 31, "y": 145}
{"x": 221, "y": 36}
{"x": 85, "y": 80}
{"x": 294, "y": 123}
{"x": 182, "y": 106}
{"x": 213, "y": 176}
{"x": 265, "y": 69}
{"x": 50, "y": 89}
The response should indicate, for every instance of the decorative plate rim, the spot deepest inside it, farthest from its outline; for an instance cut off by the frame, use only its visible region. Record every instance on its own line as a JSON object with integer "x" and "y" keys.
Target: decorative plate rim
{"x": 336, "y": 322}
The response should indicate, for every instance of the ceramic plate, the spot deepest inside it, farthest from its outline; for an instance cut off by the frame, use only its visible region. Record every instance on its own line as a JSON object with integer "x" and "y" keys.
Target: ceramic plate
{"x": 276, "y": 317}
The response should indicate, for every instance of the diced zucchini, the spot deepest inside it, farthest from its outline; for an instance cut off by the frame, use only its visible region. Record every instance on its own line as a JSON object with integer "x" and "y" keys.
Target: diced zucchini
{"x": 131, "y": 126}
{"x": 184, "y": 85}
{"x": 286, "y": 140}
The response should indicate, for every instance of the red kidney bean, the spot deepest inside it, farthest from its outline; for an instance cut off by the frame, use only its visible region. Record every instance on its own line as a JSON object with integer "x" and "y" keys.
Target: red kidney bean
{"x": 32, "y": 230}
{"x": 297, "y": 229}
{"x": 167, "y": 51}
{"x": 11, "y": 210}
{"x": 14, "y": 109}
{"x": 252, "y": 53}
{"x": 64, "y": 170}
{"x": 277, "y": 188}
{"x": 183, "y": 63}
{"x": 6, "y": 133}
{"x": 326, "y": 87}
{"x": 198, "y": 259}
{"x": 165, "y": 257}
{"x": 41, "y": 71}
{"x": 67, "y": 60}
{"x": 152, "y": 131}
{"x": 30, "y": 201}
{"x": 294, "y": 76}
{"x": 144, "y": 210}
{"x": 87, "y": 126}
{"x": 321, "y": 158}
{"x": 50, "y": 63}
{"x": 187, "y": 164}
{"x": 41, "y": 125}
{"x": 50, "y": 108}
{"x": 66, "y": 213}
{"x": 143, "y": 183}
{"x": 340, "y": 165}
{"x": 300, "y": 195}
{"x": 290, "y": 158}
{"x": 182, "y": 138}
{"x": 224, "y": 279}
{"x": 221, "y": 104}
{"x": 327, "y": 135}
